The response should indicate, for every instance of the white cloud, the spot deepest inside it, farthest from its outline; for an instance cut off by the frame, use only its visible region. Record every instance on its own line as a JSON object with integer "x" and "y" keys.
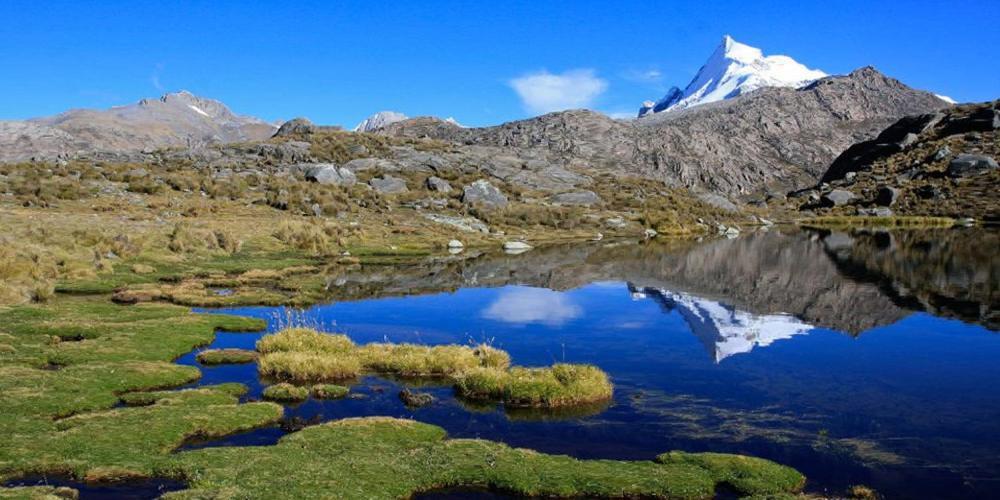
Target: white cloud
{"x": 523, "y": 305}
{"x": 646, "y": 76}
{"x": 544, "y": 92}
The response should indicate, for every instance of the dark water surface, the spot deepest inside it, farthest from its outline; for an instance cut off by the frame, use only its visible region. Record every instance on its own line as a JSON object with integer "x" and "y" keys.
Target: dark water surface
{"x": 858, "y": 358}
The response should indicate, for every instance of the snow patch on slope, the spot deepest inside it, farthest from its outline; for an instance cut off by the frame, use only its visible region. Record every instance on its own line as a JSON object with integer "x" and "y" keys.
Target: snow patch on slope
{"x": 198, "y": 110}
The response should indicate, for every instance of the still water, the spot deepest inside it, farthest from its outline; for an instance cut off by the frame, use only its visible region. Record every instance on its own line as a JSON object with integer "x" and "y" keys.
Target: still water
{"x": 858, "y": 358}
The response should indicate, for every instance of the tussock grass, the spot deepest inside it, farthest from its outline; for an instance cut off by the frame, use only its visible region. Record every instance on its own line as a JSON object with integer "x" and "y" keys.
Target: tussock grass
{"x": 479, "y": 372}
{"x": 304, "y": 340}
{"x": 557, "y": 386}
{"x": 226, "y": 356}
{"x": 308, "y": 367}
{"x": 285, "y": 392}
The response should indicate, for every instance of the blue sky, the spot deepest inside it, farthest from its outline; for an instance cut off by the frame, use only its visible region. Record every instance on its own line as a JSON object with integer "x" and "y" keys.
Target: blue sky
{"x": 338, "y": 61}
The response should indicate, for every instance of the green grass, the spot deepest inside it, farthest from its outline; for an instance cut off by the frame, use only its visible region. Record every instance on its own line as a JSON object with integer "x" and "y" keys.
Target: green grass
{"x": 380, "y": 457}
{"x": 285, "y": 392}
{"x": 226, "y": 356}
{"x": 328, "y": 391}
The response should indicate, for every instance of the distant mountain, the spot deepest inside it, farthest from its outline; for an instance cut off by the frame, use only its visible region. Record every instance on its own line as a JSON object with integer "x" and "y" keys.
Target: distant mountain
{"x": 176, "y": 119}
{"x": 732, "y": 70}
{"x": 379, "y": 120}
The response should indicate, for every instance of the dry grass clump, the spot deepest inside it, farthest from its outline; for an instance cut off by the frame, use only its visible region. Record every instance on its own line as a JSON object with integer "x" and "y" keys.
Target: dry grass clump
{"x": 313, "y": 237}
{"x": 285, "y": 392}
{"x": 226, "y": 356}
{"x": 308, "y": 367}
{"x": 557, "y": 386}
{"x": 304, "y": 340}
{"x": 479, "y": 372}
{"x": 185, "y": 238}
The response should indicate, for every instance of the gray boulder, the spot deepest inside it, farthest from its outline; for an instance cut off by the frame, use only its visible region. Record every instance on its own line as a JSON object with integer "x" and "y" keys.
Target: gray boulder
{"x": 295, "y": 126}
{"x": 583, "y": 198}
{"x": 965, "y": 165}
{"x": 485, "y": 194}
{"x": 388, "y": 185}
{"x": 837, "y": 197}
{"x": 438, "y": 184}
{"x": 329, "y": 174}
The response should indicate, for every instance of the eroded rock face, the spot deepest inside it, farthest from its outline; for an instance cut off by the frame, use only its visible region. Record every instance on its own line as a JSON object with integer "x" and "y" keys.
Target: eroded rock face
{"x": 482, "y": 193}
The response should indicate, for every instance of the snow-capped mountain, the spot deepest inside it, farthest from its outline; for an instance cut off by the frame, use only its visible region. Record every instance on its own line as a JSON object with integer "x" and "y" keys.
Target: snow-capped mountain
{"x": 379, "y": 120}
{"x": 732, "y": 70}
{"x": 724, "y": 330}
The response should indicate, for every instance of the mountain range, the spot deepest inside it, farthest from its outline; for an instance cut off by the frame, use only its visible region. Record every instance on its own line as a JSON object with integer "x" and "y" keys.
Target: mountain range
{"x": 745, "y": 126}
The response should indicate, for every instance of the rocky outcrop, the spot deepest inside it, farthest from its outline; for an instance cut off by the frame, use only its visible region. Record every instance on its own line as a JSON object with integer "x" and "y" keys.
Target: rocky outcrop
{"x": 482, "y": 193}
{"x": 295, "y": 126}
{"x": 942, "y": 163}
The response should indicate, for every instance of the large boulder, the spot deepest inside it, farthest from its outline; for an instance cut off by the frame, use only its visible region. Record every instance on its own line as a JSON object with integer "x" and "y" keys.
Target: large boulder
{"x": 388, "y": 185}
{"x": 886, "y": 196}
{"x": 837, "y": 197}
{"x": 718, "y": 201}
{"x": 328, "y": 174}
{"x": 484, "y": 194}
{"x": 582, "y": 198}
{"x": 965, "y": 165}
{"x": 295, "y": 126}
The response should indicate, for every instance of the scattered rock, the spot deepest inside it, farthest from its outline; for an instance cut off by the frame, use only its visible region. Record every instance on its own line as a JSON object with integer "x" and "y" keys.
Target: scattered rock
{"x": 516, "y": 246}
{"x": 483, "y": 193}
{"x": 388, "y": 185}
{"x": 886, "y": 196}
{"x": 942, "y": 153}
{"x": 438, "y": 184}
{"x": 837, "y": 197}
{"x": 615, "y": 222}
{"x": 328, "y": 174}
{"x": 414, "y": 399}
{"x": 929, "y": 191}
{"x": 908, "y": 140}
{"x": 469, "y": 224}
{"x": 582, "y": 198}
{"x": 965, "y": 165}
{"x": 455, "y": 244}
{"x": 650, "y": 233}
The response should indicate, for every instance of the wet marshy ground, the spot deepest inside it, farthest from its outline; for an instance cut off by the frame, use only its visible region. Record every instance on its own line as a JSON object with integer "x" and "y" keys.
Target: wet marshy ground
{"x": 857, "y": 358}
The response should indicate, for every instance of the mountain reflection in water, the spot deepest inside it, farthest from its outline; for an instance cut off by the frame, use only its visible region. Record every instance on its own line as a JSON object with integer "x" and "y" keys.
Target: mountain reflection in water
{"x": 857, "y": 357}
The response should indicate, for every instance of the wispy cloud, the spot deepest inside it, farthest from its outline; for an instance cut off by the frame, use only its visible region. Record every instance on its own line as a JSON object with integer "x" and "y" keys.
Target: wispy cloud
{"x": 651, "y": 76}
{"x": 154, "y": 78}
{"x": 544, "y": 92}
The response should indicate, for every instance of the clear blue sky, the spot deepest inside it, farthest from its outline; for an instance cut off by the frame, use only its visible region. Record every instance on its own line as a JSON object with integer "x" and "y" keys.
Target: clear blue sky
{"x": 338, "y": 61}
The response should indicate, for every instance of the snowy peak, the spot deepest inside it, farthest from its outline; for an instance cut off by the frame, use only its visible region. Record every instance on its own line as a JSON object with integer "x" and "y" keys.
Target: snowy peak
{"x": 732, "y": 70}
{"x": 379, "y": 120}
